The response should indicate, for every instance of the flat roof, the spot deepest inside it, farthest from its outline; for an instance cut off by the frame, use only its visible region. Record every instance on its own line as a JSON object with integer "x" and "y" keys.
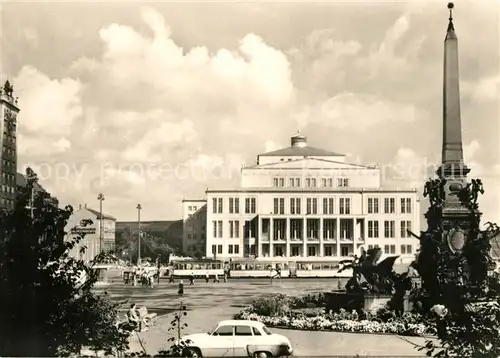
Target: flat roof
{"x": 194, "y": 200}
{"x": 312, "y": 190}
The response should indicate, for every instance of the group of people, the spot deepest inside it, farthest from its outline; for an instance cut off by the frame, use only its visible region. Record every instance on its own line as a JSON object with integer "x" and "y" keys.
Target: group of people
{"x": 144, "y": 277}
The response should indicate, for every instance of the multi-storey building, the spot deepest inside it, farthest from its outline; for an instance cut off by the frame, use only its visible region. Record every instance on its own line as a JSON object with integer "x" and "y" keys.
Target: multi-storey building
{"x": 303, "y": 201}
{"x": 8, "y": 152}
{"x": 194, "y": 219}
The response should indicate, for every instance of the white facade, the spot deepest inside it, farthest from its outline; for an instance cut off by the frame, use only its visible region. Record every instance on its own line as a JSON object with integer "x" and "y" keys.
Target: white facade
{"x": 306, "y": 203}
{"x": 91, "y": 239}
{"x": 194, "y": 219}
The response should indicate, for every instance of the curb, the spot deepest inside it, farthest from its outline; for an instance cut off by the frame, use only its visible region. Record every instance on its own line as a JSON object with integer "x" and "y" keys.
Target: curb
{"x": 353, "y": 332}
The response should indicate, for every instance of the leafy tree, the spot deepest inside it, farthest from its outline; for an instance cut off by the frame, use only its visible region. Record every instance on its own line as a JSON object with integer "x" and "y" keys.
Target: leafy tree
{"x": 48, "y": 308}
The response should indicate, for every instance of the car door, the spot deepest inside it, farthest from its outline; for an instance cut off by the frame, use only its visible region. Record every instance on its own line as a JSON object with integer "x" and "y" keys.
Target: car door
{"x": 243, "y": 337}
{"x": 221, "y": 343}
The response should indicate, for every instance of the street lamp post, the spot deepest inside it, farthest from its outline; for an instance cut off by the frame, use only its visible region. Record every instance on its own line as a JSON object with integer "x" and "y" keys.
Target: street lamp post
{"x": 100, "y": 197}
{"x": 139, "y": 207}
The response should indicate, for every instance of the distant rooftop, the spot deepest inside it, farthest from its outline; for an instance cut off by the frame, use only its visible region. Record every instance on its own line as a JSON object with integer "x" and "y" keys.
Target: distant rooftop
{"x": 96, "y": 213}
{"x": 300, "y": 148}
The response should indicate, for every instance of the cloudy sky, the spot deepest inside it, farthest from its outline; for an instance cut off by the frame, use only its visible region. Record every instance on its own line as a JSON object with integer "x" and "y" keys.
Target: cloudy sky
{"x": 154, "y": 102}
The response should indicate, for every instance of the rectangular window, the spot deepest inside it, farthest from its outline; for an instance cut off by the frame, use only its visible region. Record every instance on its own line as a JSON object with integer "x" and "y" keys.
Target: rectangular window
{"x": 297, "y": 182}
{"x": 236, "y": 228}
{"x": 343, "y": 182}
{"x": 275, "y": 182}
{"x": 372, "y": 229}
{"x": 295, "y": 206}
{"x": 312, "y": 205}
{"x": 345, "y": 206}
{"x": 190, "y": 208}
{"x": 231, "y": 206}
{"x": 295, "y": 251}
{"x": 389, "y": 229}
{"x": 231, "y": 228}
{"x": 311, "y": 251}
{"x": 236, "y": 249}
{"x": 389, "y": 205}
{"x": 214, "y": 225}
{"x": 328, "y": 251}
{"x": 253, "y": 206}
{"x": 230, "y": 249}
{"x": 403, "y": 249}
{"x": 282, "y": 206}
{"x": 249, "y": 205}
{"x": 220, "y": 206}
{"x": 308, "y": 182}
{"x": 282, "y": 182}
{"x": 276, "y": 206}
{"x": 236, "y": 205}
{"x": 313, "y": 182}
{"x": 214, "y": 205}
{"x": 393, "y": 249}
{"x": 372, "y": 205}
{"x": 323, "y": 182}
{"x": 214, "y": 249}
{"x": 292, "y": 182}
{"x": 409, "y": 249}
{"x": 405, "y": 205}
{"x": 386, "y": 249}
{"x": 219, "y": 224}
{"x": 219, "y": 249}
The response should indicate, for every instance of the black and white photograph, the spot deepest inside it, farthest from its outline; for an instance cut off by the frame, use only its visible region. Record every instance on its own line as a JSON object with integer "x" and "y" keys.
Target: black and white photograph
{"x": 250, "y": 178}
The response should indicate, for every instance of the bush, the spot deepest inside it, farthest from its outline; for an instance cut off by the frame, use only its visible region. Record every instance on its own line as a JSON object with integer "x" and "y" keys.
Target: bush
{"x": 271, "y": 306}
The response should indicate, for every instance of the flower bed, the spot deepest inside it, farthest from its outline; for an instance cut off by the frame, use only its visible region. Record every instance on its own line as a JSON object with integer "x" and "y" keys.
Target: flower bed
{"x": 288, "y": 316}
{"x": 322, "y": 323}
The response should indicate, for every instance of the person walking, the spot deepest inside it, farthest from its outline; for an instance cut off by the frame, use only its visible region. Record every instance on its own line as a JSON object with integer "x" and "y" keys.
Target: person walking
{"x": 181, "y": 288}
{"x": 191, "y": 279}
{"x": 207, "y": 278}
{"x": 216, "y": 278}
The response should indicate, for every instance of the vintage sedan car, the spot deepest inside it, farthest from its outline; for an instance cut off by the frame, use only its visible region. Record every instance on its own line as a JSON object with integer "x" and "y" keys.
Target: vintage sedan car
{"x": 238, "y": 338}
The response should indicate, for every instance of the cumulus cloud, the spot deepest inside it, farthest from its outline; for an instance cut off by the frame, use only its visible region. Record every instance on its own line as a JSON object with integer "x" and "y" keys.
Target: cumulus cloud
{"x": 155, "y": 100}
{"x": 50, "y": 106}
{"x": 359, "y": 111}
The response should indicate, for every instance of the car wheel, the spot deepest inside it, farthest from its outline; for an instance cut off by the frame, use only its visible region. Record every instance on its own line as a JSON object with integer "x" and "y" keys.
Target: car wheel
{"x": 192, "y": 352}
{"x": 262, "y": 355}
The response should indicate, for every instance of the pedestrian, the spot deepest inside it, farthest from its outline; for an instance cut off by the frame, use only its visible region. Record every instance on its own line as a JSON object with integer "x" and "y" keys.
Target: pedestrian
{"x": 225, "y": 277}
{"x": 191, "y": 279}
{"x": 207, "y": 278}
{"x": 181, "y": 288}
{"x": 216, "y": 278}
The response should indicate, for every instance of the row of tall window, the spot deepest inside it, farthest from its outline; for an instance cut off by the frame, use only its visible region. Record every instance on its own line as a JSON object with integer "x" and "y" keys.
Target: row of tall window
{"x": 232, "y": 249}
{"x": 391, "y": 249}
{"x": 296, "y": 229}
{"x": 389, "y": 229}
{"x": 312, "y": 206}
{"x": 234, "y": 205}
{"x": 389, "y": 206}
{"x": 280, "y": 182}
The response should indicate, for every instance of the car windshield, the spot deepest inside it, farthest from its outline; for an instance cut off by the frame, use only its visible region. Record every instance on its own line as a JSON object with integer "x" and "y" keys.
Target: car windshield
{"x": 210, "y": 332}
{"x": 266, "y": 330}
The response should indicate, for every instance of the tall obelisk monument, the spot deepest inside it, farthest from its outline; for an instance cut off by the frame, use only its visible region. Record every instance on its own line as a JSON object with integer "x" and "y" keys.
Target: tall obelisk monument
{"x": 452, "y": 168}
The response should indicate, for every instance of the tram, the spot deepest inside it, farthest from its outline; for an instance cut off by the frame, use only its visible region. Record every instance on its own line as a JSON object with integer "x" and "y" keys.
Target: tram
{"x": 258, "y": 268}
{"x": 320, "y": 269}
{"x": 197, "y": 268}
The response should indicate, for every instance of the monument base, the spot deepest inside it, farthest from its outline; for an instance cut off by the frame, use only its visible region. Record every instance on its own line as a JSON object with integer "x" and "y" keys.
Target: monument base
{"x": 370, "y": 302}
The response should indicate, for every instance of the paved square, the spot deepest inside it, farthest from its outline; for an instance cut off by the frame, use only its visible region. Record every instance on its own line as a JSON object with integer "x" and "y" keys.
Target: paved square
{"x": 209, "y": 303}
